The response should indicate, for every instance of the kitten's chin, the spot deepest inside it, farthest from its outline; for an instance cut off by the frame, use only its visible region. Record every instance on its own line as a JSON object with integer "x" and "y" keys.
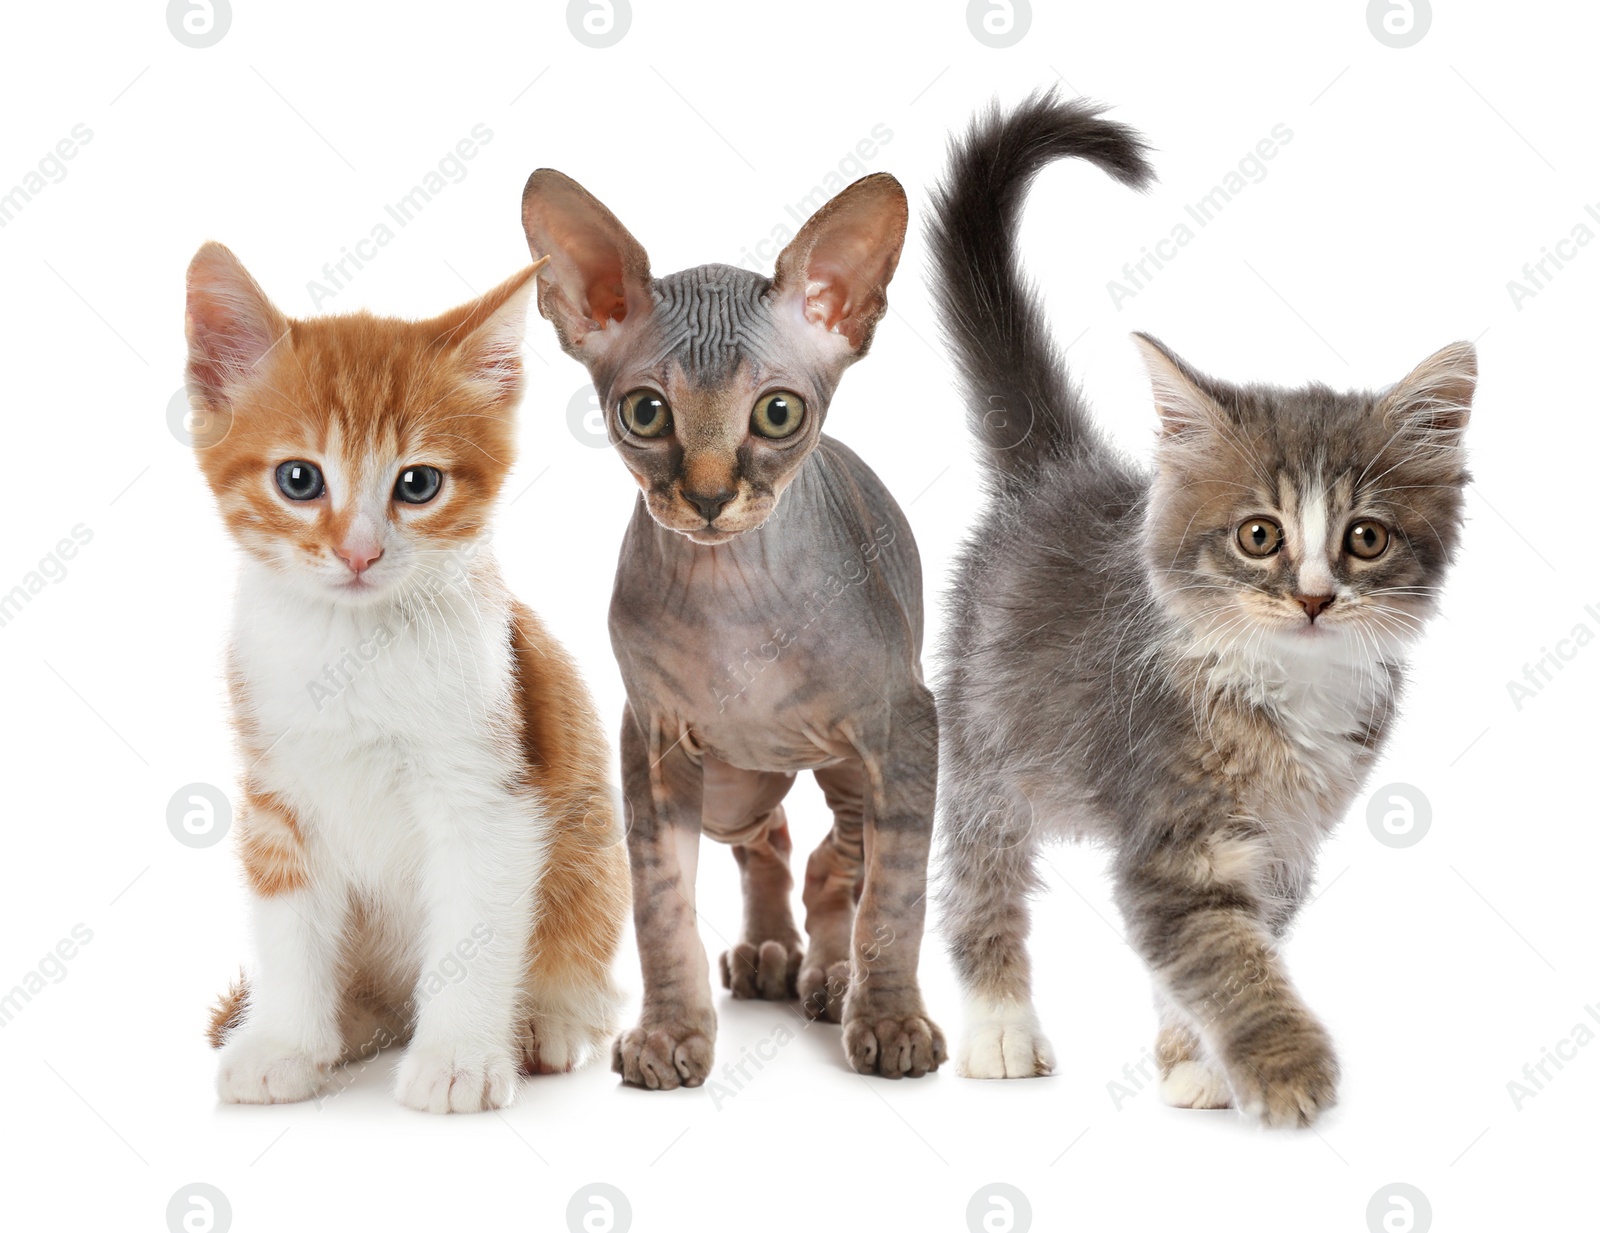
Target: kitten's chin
{"x": 710, "y": 537}
{"x": 348, "y": 592}
{"x": 361, "y": 591}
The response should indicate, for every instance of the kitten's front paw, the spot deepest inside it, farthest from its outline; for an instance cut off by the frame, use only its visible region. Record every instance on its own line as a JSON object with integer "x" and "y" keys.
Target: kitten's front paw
{"x": 442, "y": 1079}
{"x": 1289, "y": 1080}
{"x": 253, "y": 1070}
{"x": 1004, "y": 1043}
{"x": 662, "y": 1056}
{"x": 770, "y": 970}
{"x": 892, "y": 1046}
{"x": 823, "y": 990}
{"x": 1195, "y": 1084}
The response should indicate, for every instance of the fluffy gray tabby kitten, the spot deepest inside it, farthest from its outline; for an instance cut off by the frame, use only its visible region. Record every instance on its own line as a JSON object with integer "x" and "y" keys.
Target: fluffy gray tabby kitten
{"x": 1195, "y": 665}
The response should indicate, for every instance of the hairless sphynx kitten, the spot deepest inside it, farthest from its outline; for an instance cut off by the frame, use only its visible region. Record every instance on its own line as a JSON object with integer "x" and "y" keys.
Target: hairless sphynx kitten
{"x": 757, "y": 639}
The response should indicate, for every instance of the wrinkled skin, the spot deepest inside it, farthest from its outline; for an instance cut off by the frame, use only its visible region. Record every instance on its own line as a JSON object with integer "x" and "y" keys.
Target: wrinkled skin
{"x": 767, "y": 620}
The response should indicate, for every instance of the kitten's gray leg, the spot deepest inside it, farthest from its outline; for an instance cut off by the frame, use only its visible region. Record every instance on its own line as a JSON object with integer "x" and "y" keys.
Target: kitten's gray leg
{"x": 833, "y": 885}
{"x": 886, "y": 1027}
{"x": 672, "y": 1043}
{"x": 744, "y": 808}
{"x": 987, "y": 871}
{"x": 766, "y": 961}
{"x": 1200, "y": 926}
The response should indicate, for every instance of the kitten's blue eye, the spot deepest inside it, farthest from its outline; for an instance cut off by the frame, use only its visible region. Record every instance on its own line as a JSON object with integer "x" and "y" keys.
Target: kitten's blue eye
{"x": 299, "y": 481}
{"x": 777, "y": 415}
{"x": 644, "y": 413}
{"x": 418, "y": 485}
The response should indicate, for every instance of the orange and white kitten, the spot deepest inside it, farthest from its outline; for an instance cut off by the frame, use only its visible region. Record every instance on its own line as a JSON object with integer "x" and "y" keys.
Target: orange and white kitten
{"x": 426, "y": 823}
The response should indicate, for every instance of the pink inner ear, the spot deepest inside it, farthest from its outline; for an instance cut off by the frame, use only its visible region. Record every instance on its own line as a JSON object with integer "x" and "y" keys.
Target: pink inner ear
{"x": 230, "y": 332}
{"x": 827, "y": 299}
{"x": 587, "y": 260}
{"x": 829, "y": 303}
{"x": 606, "y": 300}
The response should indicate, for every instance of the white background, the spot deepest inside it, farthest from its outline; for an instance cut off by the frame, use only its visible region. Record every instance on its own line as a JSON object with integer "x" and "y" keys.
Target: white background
{"x": 1417, "y": 183}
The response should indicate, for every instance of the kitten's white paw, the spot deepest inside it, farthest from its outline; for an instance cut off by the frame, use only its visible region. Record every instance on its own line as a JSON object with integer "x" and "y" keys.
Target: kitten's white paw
{"x": 1196, "y": 1085}
{"x": 440, "y": 1079}
{"x": 1004, "y": 1042}
{"x": 255, "y": 1070}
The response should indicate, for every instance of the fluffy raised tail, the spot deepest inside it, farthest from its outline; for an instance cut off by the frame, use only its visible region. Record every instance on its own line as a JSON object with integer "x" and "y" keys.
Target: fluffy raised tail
{"x": 1024, "y": 407}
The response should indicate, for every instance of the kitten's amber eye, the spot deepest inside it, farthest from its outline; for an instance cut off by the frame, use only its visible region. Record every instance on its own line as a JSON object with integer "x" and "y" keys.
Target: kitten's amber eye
{"x": 777, "y": 415}
{"x": 1260, "y": 537}
{"x": 645, "y": 413}
{"x": 299, "y": 481}
{"x": 1367, "y": 539}
{"x": 418, "y": 485}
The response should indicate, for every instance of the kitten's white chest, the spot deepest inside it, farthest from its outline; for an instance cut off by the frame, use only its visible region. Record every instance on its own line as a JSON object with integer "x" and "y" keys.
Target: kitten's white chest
{"x": 371, "y": 718}
{"x": 1322, "y": 702}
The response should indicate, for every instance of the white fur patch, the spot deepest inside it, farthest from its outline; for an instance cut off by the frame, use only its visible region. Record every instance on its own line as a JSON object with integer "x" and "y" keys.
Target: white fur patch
{"x": 1003, "y": 1041}
{"x": 389, "y": 732}
{"x": 1196, "y": 1085}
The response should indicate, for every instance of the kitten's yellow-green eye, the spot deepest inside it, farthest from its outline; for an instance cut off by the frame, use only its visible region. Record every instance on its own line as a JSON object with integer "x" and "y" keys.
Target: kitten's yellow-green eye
{"x": 1260, "y": 537}
{"x": 1367, "y": 539}
{"x": 777, "y": 415}
{"x": 644, "y": 413}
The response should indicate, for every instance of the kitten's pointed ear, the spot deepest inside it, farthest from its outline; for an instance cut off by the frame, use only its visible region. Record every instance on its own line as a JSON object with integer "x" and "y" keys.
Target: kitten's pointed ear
{"x": 1436, "y": 397}
{"x": 230, "y": 323}
{"x": 599, "y": 276}
{"x": 487, "y": 333}
{"x": 836, "y": 272}
{"x": 1181, "y": 402}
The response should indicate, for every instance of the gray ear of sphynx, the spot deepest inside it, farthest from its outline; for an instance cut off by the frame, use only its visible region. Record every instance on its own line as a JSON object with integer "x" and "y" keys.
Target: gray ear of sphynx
{"x": 597, "y": 284}
{"x": 835, "y": 274}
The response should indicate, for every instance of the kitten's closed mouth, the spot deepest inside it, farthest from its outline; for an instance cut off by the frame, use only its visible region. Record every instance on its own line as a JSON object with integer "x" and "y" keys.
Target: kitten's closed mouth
{"x": 360, "y": 585}
{"x": 710, "y": 535}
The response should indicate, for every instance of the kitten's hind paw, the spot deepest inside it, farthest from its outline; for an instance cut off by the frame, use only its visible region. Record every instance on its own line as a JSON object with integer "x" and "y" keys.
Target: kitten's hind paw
{"x": 1193, "y": 1084}
{"x": 769, "y": 971}
{"x": 823, "y": 990}
{"x": 1004, "y": 1043}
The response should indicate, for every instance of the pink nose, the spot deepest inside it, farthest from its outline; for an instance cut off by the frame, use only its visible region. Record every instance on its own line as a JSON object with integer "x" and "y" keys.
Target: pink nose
{"x": 359, "y": 559}
{"x": 1314, "y": 605}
